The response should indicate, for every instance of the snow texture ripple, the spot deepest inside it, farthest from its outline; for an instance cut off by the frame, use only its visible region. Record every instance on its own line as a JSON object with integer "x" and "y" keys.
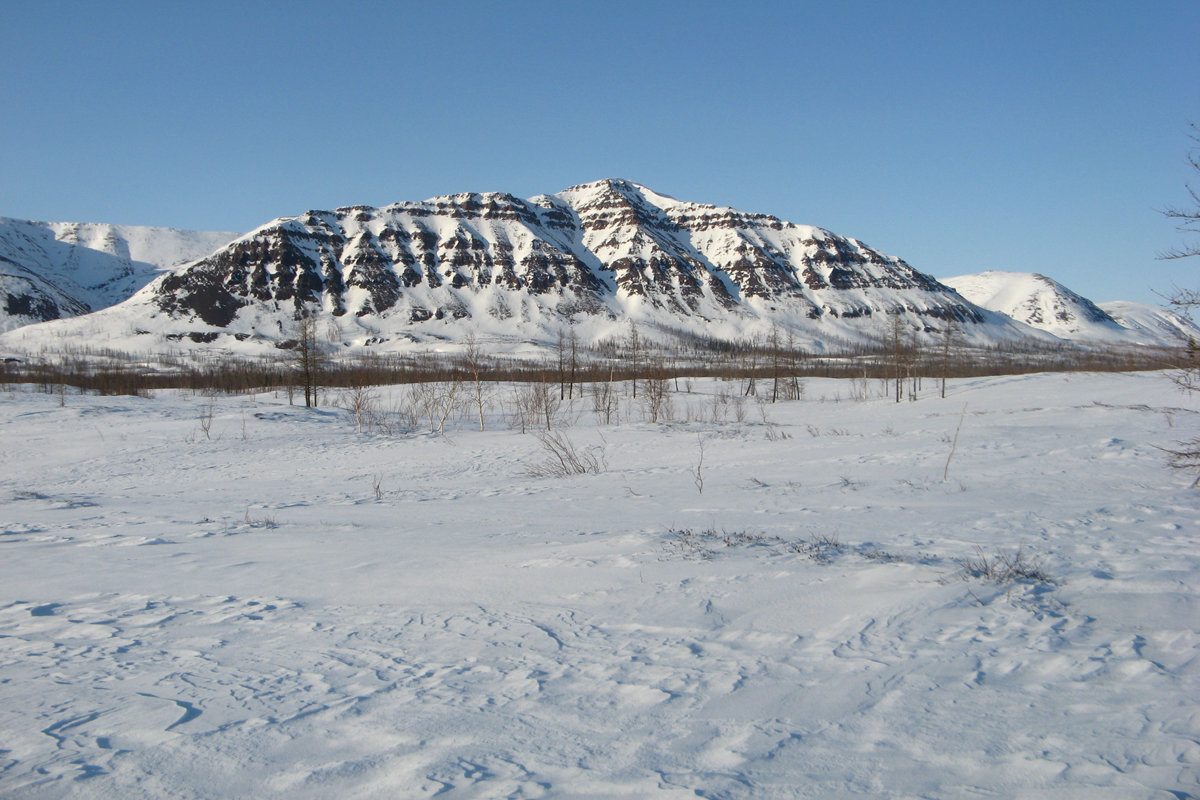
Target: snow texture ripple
{"x": 284, "y": 606}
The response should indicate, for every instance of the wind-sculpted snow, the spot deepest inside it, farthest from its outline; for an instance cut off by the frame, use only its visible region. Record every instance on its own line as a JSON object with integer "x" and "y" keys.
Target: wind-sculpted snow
{"x": 233, "y": 597}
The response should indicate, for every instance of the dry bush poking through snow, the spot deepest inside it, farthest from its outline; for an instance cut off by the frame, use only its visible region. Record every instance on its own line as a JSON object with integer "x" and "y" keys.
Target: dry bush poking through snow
{"x": 1003, "y": 568}
{"x": 821, "y": 548}
{"x": 703, "y": 545}
{"x": 563, "y": 459}
{"x": 361, "y": 401}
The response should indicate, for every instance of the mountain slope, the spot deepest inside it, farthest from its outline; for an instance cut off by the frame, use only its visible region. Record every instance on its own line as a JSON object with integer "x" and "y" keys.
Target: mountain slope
{"x": 26, "y": 297}
{"x": 1152, "y": 322}
{"x": 50, "y": 270}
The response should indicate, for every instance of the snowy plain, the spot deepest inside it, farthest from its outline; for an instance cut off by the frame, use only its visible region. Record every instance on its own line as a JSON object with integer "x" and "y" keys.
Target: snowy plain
{"x": 772, "y": 607}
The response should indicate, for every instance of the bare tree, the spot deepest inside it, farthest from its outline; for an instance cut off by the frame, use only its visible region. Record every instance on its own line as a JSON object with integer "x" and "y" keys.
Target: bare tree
{"x": 604, "y": 399}
{"x": 474, "y": 358}
{"x": 635, "y": 351}
{"x": 521, "y": 401}
{"x": 560, "y": 352}
{"x": 1188, "y": 219}
{"x": 950, "y": 339}
{"x": 793, "y": 387}
{"x": 563, "y": 458}
{"x": 1185, "y": 301}
{"x": 752, "y": 374}
{"x": 360, "y": 400}
{"x": 447, "y": 398}
{"x": 899, "y": 352}
{"x": 657, "y": 397}
{"x": 776, "y": 358}
{"x": 573, "y": 343}
{"x": 308, "y": 356}
{"x": 546, "y": 403}
{"x": 534, "y": 404}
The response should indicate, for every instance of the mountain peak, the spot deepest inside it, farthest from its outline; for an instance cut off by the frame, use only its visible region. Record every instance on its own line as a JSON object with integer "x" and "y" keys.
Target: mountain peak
{"x": 607, "y": 184}
{"x": 620, "y": 187}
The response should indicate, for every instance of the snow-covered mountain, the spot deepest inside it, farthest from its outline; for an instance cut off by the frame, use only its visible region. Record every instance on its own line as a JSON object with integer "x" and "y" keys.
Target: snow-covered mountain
{"x": 1155, "y": 323}
{"x": 1035, "y": 300}
{"x": 594, "y": 256}
{"x": 1045, "y": 304}
{"x": 50, "y": 270}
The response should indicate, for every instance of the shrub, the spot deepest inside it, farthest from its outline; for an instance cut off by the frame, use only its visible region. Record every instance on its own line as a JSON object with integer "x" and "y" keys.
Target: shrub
{"x": 821, "y": 548}
{"x": 1003, "y": 568}
{"x": 562, "y": 458}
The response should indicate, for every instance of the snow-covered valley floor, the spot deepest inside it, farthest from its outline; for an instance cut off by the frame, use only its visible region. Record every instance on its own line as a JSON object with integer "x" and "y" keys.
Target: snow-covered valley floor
{"x": 286, "y": 607}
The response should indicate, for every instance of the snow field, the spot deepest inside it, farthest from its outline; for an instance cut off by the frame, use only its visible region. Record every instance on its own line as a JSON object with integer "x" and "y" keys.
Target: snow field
{"x": 242, "y": 614}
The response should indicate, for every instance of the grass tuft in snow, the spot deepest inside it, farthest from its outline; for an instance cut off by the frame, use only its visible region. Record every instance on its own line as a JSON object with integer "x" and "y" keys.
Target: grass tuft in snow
{"x": 821, "y": 548}
{"x": 1003, "y": 568}
{"x": 704, "y": 545}
{"x": 268, "y": 521}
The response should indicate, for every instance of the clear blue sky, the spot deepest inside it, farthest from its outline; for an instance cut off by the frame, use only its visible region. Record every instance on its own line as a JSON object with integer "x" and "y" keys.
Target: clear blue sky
{"x": 960, "y": 136}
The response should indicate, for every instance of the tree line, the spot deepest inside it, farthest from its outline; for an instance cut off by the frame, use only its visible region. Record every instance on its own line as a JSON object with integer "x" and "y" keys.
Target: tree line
{"x": 771, "y": 364}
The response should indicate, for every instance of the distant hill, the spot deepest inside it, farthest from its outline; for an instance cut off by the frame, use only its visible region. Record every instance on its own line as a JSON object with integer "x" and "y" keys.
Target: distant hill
{"x": 50, "y": 270}
{"x": 1045, "y": 304}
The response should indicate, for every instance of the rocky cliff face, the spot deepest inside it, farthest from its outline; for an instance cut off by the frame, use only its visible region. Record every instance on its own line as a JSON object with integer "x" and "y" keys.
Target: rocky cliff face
{"x": 610, "y": 249}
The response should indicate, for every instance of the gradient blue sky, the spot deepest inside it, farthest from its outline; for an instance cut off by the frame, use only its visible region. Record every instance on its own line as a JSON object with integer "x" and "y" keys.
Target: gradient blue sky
{"x": 960, "y": 136}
